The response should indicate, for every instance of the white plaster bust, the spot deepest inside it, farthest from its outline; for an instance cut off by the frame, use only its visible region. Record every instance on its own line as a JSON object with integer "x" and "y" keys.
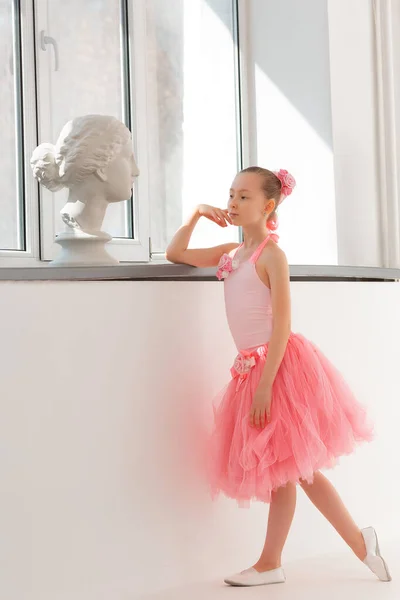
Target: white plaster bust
{"x": 93, "y": 158}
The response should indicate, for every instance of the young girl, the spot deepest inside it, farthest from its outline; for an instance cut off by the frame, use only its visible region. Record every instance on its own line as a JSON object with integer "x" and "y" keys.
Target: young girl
{"x": 287, "y": 412}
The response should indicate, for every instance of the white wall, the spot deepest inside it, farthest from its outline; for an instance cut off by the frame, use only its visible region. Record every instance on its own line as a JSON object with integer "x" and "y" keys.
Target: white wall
{"x": 396, "y": 58}
{"x": 106, "y": 387}
{"x": 354, "y": 128}
{"x": 314, "y": 112}
{"x": 289, "y": 59}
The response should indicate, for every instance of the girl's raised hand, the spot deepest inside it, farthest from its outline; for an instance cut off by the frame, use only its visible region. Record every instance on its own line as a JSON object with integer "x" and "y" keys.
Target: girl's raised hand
{"x": 218, "y": 215}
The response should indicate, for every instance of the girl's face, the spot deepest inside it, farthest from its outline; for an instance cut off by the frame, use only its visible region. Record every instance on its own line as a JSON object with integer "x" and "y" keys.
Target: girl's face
{"x": 247, "y": 202}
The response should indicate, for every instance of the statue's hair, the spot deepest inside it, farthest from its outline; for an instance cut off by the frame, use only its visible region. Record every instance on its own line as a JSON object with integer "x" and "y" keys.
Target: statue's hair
{"x": 84, "y": 145}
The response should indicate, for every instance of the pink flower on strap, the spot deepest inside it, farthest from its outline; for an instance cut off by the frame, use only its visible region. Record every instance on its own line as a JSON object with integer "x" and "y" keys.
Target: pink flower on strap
{"x": 226, "y": 265}
{"x": 287, "y": 180}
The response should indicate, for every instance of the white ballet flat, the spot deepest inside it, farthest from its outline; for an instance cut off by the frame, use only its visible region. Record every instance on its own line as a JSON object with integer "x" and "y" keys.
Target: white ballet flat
{"x": 253, "y": 577}
{"x": 374, "y": 560}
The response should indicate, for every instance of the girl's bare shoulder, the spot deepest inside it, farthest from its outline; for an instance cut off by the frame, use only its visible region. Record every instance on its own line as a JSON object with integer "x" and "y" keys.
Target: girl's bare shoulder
{"x": 273, "y": 255}
{"x": 234, "y": 247}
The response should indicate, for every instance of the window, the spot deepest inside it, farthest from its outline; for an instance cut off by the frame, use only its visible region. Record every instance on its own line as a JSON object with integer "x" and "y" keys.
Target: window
{"x": 81, "y": 49}
{"x": 194, "y": 150}
{"x": 167, "y": 70}
{"x": 208, "y": 87}
{"x": 12, "y": 222}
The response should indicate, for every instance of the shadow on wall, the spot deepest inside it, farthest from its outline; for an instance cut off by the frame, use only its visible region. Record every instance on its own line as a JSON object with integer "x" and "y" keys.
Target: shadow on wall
{"x": 293, "y": 52}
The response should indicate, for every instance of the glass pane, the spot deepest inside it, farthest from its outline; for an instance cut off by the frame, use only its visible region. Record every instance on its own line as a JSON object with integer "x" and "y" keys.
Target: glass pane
{"x": 192, "y": 115}
{"x": 11, "y": 235}
{"x": 88, "y": 80}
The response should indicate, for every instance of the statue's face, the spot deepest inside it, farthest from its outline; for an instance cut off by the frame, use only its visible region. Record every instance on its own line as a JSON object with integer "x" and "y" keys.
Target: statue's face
{"x": 121, "y": 173}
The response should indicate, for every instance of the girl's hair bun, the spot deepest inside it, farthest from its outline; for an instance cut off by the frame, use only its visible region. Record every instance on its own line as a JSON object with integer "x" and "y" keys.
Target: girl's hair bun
{"x": 287, "y": 180}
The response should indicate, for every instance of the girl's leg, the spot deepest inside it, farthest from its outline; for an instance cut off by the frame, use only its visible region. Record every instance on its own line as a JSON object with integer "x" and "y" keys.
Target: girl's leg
{"x": 325, "y": 497}
{"x": 281, "y": 511}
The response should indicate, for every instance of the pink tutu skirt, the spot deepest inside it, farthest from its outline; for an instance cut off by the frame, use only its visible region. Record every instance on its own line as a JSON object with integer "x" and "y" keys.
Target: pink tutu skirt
{"x": 315, "y": 418}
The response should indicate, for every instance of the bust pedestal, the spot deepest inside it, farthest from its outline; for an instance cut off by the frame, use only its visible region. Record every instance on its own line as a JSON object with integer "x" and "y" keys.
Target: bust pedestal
{"x": 81, "y": 249}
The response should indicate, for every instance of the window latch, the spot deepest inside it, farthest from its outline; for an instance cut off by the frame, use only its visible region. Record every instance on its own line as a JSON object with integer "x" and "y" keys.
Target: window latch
{"x": 44, "y": 41}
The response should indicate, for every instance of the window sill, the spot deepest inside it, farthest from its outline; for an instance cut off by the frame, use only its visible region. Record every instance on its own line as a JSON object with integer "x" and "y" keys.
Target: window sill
{"x": 166, "y": 271}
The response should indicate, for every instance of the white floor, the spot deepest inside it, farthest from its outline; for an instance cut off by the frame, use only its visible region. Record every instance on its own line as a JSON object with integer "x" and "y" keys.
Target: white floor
{"x": 331, "y": 577}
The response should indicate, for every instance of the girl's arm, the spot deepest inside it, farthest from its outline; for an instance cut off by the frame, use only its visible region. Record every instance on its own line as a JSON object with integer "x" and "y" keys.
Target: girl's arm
{"x": 279, "y": 276}
{"x": 177, "y": 250}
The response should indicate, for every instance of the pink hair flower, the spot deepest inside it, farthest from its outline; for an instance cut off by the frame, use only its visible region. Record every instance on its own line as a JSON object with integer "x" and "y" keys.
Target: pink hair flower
{"x": 226, "y": 265}
{"x": 287, "y": 180}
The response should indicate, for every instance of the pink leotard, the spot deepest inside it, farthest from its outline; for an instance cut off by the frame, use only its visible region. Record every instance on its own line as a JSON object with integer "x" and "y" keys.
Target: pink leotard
{"x": 248, "y": 302}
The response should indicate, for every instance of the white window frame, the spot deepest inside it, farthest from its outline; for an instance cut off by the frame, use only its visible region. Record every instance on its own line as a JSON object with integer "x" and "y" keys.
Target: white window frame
{"x": 39, "y": 207}
{"x": 30, "y": 256}
{"x": 123, "y": 249}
